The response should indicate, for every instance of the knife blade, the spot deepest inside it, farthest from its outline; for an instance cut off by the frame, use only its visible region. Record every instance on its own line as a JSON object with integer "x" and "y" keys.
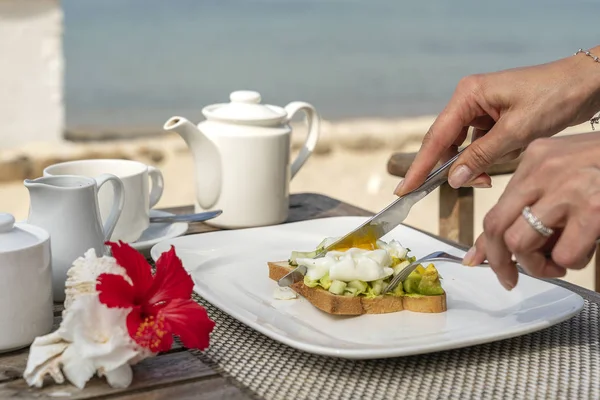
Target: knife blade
{"x": 383, "y": 222}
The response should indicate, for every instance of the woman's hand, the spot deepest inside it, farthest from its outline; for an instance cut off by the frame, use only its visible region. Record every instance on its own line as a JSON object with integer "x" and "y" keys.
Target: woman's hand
{"x": 559, "y": 179}
{"x": 508, "y": 109}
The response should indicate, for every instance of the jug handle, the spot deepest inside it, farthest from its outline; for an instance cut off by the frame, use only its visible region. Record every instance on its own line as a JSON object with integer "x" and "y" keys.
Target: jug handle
{"x": 119, "y": 201}
{"x": 314, "y": 127}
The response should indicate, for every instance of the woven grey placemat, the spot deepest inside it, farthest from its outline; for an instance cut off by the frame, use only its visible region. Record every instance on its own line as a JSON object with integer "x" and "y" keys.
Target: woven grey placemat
{"x": 560, "y": 362}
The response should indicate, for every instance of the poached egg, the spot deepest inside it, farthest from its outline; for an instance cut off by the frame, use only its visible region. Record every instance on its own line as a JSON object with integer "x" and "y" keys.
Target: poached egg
{"x": 355, "y": 263}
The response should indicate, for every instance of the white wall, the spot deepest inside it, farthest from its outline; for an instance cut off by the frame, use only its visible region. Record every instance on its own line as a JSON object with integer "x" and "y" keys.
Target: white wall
{"x": 31, "y": 72}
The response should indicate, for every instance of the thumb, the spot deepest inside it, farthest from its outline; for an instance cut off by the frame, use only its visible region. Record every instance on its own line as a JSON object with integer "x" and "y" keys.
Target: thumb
{"x": 478, "y": 157}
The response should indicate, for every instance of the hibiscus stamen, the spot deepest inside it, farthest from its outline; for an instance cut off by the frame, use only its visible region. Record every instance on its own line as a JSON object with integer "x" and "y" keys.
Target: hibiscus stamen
{"x": 151, "y": 332}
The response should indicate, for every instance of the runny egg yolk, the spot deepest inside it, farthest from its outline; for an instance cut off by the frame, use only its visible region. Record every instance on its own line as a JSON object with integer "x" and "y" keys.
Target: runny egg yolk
{"x": 368, "y": 241}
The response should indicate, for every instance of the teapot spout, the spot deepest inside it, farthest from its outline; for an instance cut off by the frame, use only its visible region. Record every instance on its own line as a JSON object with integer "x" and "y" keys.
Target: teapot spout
{"x": 207, "y": 160}
{"x": 188, "y": 131}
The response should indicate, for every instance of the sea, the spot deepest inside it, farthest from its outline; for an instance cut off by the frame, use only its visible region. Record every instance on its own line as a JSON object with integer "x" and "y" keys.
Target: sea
{"x": 135, "y": 63}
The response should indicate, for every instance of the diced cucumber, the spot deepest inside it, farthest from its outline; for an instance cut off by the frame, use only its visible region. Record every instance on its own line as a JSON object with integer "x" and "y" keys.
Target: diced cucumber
{"x": 325, "y": 282}
{"x": 351, "y": 291}
{"x": 337, "y": 287}
{"x": 360, "y": 286}
{"x": 377, "y": 287}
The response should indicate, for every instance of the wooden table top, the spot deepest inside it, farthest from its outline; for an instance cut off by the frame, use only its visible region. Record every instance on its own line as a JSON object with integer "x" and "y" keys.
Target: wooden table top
{"x": 178, "y": 374}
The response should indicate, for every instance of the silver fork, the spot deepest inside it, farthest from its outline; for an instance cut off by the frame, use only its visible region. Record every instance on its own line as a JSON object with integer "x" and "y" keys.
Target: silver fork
{"x": 437, "y": 255}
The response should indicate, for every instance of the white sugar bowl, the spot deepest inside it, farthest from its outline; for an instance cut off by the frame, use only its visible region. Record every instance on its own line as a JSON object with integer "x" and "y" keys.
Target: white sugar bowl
{"x": 25, "y": 283}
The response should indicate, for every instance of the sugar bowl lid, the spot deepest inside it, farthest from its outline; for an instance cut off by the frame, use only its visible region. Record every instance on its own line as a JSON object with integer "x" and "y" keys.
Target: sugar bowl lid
{"x": 19, "y": 236}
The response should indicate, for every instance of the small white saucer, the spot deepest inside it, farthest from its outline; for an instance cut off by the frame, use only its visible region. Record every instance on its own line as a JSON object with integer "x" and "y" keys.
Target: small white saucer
{"x": 158, "y": 232}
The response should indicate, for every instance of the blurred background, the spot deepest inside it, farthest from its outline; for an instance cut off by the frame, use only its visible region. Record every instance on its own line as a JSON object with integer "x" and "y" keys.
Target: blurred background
{"x": 98, "y": 78}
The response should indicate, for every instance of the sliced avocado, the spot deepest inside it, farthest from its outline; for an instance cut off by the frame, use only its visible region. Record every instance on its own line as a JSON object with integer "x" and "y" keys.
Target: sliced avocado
{"x": 430, "y": 282}
{"x": 400, "y": 267}
{"x": 398, "y": 291}
{"x": 310, "y": 282}
{"x": 411, "y": 284}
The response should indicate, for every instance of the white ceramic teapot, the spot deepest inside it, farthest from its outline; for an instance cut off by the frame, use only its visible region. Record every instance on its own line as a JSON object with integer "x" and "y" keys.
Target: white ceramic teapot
{"x": 242, "y": 158}
{"x": 25, "y": 283}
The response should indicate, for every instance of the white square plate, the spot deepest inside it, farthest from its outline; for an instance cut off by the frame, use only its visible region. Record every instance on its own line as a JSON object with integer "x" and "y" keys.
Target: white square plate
{"x": 230, "y": 271}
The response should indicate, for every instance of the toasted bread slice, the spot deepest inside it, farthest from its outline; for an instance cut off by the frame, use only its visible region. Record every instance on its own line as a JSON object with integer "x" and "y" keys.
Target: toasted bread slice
{"x": 357, "y": 305}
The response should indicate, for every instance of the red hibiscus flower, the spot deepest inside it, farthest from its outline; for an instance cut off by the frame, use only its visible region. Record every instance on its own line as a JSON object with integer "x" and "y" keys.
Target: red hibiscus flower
{"x": 160, "y": 304}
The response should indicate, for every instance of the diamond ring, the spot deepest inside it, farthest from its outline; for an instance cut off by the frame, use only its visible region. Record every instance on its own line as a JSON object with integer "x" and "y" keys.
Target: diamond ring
{"x": 536, "y": 223}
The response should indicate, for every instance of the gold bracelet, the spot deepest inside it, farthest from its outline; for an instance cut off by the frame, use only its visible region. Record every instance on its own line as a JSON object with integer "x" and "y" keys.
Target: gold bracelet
{"x": 596, "y": 119}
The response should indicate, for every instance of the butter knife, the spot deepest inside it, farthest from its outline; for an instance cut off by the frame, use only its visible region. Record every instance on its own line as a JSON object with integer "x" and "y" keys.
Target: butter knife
{"x": 383, "y": 222}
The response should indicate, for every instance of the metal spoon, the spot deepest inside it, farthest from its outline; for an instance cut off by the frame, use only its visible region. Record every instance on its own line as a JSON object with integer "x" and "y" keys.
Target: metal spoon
{"x": 199, "y": 217}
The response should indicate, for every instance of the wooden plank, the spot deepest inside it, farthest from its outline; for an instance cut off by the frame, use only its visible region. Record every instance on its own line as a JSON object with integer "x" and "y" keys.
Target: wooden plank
{"x": 152, "y": 373}
{"x": 212, "y": 389}
{"x": 399, "y": 163}
{"x": 13, "y": 364}
{"x": 456, "y": 214}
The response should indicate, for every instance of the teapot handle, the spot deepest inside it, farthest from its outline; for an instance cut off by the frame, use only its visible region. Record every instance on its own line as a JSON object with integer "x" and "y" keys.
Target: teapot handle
{"x": 314, "y": 127}
{"x": 118, "y": 202}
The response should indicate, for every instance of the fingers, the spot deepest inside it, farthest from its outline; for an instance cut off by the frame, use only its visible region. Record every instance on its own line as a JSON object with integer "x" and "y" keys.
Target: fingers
{"x": 530, "y": 247}
{"x": 576, "y": 245}
{"x": 571, "y": 248}
{"x": 476, "y": 254}
{"x": 481, "y": 181}
{"x": 484, "y": 123}
{"x": 510, "y": 156}
{"x": 539, "y": 265}
{"x": 508, "y": 274}
{"x": 449, "y": 128}
{"x": 522, "y": 238}
{"x": 480, "y": 155}
{"x": 496, "y": 223}
{"x": 478, "y": 133}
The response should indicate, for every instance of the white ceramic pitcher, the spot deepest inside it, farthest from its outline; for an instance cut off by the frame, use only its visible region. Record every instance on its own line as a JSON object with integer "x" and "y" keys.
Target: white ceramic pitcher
{"x": 67, "y": 207}
{"x": 242, "y": 158}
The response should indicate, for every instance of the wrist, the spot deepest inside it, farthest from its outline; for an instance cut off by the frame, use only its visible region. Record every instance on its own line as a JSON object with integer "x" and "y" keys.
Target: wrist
{"x": 585, "y": 68}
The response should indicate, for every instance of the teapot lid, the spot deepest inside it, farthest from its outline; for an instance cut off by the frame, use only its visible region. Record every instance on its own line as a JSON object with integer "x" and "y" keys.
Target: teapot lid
{"x": 14, "y": 237}
{"x": 244, "y": 106}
